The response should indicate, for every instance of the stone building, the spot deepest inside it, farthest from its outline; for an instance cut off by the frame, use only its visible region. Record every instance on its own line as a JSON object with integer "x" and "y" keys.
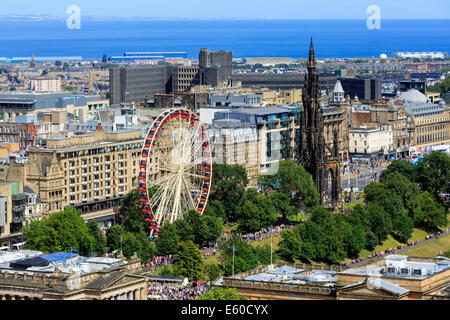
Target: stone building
{"x": 233, "y": 143}
{"x": 394, "y": 277}
{"x": 430, "y": 123}
{"x": 371, "y": 142}
{"x": 21, "y": 133}
{"x": 30, "y": 275}
{"x": 91, "y": 172}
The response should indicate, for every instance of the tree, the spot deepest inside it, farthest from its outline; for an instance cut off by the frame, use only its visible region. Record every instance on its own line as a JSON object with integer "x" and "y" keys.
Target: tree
{"x": 114, "y": 237}
{"x": 199, "y": 229}
{"x": 188, "y": 261}
{"x": 184, "y": 230}
{"x": 433, "y": 173}
{"x": 256, "y": 213}
{"x": 432, "y": 214}
{"x": 290, "y": 246}
{"x": 167, "y": 241}
{"x": 215, "y": 208}
{"x": 218, "y": 293}
{"x": 99, "y": 245}
{"x": 402, "y": 228}
{"x": 130, "y": 213}
{"x": 292, "y": 179}
{"x": 399, "y": 166}
{"x": 405, "y": 189}
{"x": 212, "y": 270}
{"x": 282, "y": 204}
{"x": 213, "y": 226}
{"x": 130, "y": 244}
{"x": 380, "y": 222}
{"x": 228, "y": 186}
{"x": 62, "y": 231}
{"x": 244, "y": 256}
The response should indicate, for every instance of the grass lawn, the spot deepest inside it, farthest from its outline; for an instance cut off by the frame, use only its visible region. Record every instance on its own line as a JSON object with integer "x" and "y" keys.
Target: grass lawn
{"x": 351, "y": 204}
{"x": 431, "y": 249}
{"x": 299, "y": 217}
{"x": 390, "y": 242}
{"x": 276, "y": 240}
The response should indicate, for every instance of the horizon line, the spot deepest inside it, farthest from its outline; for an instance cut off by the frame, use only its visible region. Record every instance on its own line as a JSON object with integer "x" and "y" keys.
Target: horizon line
{"x": 96, "y": 17}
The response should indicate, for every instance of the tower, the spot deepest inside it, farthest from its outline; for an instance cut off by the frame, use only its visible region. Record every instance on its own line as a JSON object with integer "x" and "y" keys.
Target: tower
{"x": 311, "y": 150}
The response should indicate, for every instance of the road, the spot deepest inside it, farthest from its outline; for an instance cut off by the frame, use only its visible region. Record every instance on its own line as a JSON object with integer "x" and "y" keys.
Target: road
{"x": 362, "y": 179}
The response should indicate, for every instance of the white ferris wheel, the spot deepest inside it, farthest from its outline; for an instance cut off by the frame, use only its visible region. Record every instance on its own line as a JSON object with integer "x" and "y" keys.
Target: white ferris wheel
{"x": 175, "y": 168}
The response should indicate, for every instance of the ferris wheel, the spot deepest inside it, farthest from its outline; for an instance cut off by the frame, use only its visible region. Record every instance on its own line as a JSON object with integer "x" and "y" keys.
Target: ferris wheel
{"x": 175, "y": 168}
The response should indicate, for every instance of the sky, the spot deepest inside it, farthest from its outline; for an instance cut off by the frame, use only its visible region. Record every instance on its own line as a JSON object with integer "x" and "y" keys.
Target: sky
{"x": 233, "y": 9}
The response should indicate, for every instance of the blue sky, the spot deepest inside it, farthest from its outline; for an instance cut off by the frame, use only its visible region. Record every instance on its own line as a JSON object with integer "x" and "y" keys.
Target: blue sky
{"x": 217, "y": 9}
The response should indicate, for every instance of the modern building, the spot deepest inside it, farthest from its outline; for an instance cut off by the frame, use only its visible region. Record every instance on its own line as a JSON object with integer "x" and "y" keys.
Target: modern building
{"x": 281, "y": 81}
{"x": 135, "y": 83}
{"x": 406, "y": 85}
{"x": 214, "y": 66}
{"x": 45, "y": 84}
{"x": 138, "y": 83}
{"x": 15, "y": 104}
{"x": 276, "y": 127}
{"x": 362, "y": 89}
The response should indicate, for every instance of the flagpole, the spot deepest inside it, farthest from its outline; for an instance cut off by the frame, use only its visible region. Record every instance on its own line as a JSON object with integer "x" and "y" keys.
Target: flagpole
{"x": 233, "y": 260}
{"x": 271, "y": 243}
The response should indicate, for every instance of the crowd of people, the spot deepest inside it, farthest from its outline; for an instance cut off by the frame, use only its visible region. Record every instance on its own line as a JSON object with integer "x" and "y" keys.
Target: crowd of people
{"x": 159, "y": 262}
{"x": 173, "y": 292}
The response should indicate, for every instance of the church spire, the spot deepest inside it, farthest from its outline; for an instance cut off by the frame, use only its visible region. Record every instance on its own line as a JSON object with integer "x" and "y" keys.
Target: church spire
{"x": 311, "y": 59}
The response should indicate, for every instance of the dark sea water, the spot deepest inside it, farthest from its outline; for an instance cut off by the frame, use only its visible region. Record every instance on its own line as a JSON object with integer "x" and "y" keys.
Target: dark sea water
{"x": 258, "y": 38}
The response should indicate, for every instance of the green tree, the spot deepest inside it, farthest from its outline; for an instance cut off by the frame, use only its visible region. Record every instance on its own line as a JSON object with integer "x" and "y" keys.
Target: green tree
{"x": 167, "y": 241}
{"x": 62, "y": 231}
{"x": 215, "y": 208}
{"x": 213, "y": 226}
{"x": 99, "y": 245}
{"x": 130, "y": 213}
{"x": 399, "y": 166}
{"x": 433, "y": 173}
{"x": 256, "y": 213}
{"x": 212, "y": 270}
{"x": 245, "y": 257}
{"x": 432, "y": 214}
{"x": 405, "y": 189}
{"x": 188, "y": 261}
{"x": 184, "y": 230}
{"x": 290, "y": 246}
{"x": 293, "y": 180}
{"x": 282, "y": 204}
{"x": 218, "y": 293}
{"x": 228, "y": 186}
{"x": 114, "y": 237}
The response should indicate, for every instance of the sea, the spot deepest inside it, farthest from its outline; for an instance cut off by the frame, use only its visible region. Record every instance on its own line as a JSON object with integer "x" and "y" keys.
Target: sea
{"x": 245, "y": 38}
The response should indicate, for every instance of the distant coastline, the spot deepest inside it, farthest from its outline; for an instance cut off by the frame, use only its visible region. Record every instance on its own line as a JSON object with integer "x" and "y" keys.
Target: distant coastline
{"x": 48, "y": 36}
